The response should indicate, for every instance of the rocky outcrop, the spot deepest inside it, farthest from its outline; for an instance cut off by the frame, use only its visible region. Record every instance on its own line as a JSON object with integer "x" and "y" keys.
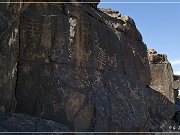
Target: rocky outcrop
{"x": 155, "y": 58}
{"x": 162, "y": 81}
{"x": 70, "y": 74}
{"x": 161, "y": 73}
{"x": 111, "y": 13}
{"x": 85, "y": 69}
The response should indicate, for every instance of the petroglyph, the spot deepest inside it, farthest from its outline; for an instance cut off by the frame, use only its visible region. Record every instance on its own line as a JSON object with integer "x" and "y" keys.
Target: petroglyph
{"x": 13, "y": 37}
{"x": 135, "y": 94}
{"x": 112, "y": 61}
{"x": 121, "y": 96}
{"x": 75, "y": 70}
{"x": 98, "y": 79}
{"x": 133, "y": 110}
{"x": 101, "y": 56}
{"x": 103, "y": 59}
{"x": 135, "y": 53}
{"x": 33, "y": 26}
{"x": 46, "y": 33}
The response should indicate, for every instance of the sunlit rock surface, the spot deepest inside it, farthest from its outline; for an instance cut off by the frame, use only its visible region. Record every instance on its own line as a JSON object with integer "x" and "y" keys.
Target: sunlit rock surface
{"x": 81, "y": 67}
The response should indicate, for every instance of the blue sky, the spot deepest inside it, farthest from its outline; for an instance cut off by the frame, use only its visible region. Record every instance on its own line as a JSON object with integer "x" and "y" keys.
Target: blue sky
{"x": 159, "y": 24}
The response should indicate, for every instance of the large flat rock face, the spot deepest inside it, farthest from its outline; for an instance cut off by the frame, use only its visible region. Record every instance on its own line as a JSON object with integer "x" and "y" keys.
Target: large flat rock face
{"x": 76, "y": 70}
{"x": 82, "y": 68}
{"x": 162, "y": 81}
{"x": 162, "y": 74}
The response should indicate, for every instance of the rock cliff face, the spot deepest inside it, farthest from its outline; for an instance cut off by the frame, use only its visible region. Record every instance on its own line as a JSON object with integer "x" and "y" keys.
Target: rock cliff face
{"x": 162, "y": 79}
{"x": 162, "y": 82}
{"x": 81, "y": 67}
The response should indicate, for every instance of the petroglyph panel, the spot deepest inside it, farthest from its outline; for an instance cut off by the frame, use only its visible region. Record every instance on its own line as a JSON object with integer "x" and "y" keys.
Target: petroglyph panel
{"x": 74, "y": 69}
{"x": 31, "y": 30}
{"x": 62, "y": 47}
{"x": 100, "y": 60}
{"x": 106, "y": 55}
{"x": 123, "y": 102}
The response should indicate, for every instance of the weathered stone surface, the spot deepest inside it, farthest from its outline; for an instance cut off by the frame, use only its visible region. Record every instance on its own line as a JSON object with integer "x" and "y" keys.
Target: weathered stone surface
{"x": 9, "y": 51}
{"x": 69, "y": 73}
{"x": 26, "y": 123}
{"x": 161, "y": 73}
{"x": 110, "y": 12}
{"x": 162, "y": 81}
{"x": 156, "y": 58}
{"x": 176, "y": 82}
{"x": 87, "y": 70}
{"x": 123, "y": 24}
